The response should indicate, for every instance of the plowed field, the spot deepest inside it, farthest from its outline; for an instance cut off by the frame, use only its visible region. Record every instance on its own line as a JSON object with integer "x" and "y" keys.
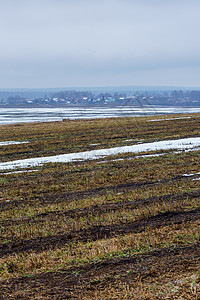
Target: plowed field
{"x": 124, "y": 227}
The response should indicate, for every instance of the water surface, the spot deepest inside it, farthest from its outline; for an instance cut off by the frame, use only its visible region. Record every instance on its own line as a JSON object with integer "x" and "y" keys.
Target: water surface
{"x": 24, "y": 115}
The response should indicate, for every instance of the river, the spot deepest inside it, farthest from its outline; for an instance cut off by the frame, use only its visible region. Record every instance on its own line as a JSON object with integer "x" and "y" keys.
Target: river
{"x": 24, "y": 115}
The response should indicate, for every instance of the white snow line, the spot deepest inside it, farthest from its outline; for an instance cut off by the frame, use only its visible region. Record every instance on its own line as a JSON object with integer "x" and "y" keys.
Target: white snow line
{"x": 128, "y": 158}
{"x": 11, "y": 143}
{"x": 170, "y": 119}
{"x": 151, "y": 155}
{"x": 188, "y": 175}
{"x": 129, "y": 140}
{"x": 192, "y": 174}
{"x": 107, "y": 161}
{"x": 181, "y": 144}
{"x": 24, "y": 171}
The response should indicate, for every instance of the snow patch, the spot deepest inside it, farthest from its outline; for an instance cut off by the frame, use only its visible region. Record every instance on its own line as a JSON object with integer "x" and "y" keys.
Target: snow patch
{"x": 181, "y": 144}
{"x": 151, "y": 155}
{"x": 192, "y": 174}
{"x": 188, "y": 175}
{"x": 156, "y": 120}
{"x": 24, "y": 171}
{"x": 129, "y": 140}
{"x": 11, "y": 143}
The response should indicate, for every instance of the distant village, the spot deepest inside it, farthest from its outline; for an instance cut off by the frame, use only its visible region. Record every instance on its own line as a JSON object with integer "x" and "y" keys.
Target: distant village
{"x": 86, "y": 98}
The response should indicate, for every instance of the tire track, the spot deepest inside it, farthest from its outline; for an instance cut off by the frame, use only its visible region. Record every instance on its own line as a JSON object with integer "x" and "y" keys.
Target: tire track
{"x": 72, "y": 196}
{"x": 139, "y": 267}
{"x": 99, "y": 232}
{"x": 103, "y": 208}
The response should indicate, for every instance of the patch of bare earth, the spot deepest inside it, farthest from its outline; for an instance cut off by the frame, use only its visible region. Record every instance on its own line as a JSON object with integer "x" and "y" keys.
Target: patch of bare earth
{"x": 148, "y": 269}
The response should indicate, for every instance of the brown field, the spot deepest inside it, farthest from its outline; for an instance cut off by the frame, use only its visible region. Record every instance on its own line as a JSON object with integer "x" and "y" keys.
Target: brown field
{"x": 120, "y": 227}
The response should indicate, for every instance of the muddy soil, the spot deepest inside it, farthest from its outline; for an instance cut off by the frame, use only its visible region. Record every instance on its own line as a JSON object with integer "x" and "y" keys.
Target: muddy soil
{"x": 71, "y": 283}
{"x": 72, "y": 196}
{"x": 103, "y": 208}
{"x": 99, "y": 232}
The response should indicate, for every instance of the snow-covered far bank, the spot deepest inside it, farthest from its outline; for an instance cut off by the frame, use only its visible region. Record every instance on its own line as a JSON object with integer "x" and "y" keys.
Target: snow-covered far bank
{"x": 181, "y": 144}
{"x": 6, "y": 143}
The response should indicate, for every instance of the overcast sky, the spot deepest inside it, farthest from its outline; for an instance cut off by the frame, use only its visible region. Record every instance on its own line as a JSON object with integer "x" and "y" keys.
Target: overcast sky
{"x": 71, "y": 43}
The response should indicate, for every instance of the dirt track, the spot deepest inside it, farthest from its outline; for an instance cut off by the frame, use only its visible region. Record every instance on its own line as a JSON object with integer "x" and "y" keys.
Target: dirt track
{"x": 103, "y": 208}
{"x": 70, "y": 283}
{"x": 71, "y": 196}
{"x": 99, "y": 232}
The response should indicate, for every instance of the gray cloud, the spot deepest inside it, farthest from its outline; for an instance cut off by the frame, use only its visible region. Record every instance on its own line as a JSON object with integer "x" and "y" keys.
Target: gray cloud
{"x": 87, "y": 43}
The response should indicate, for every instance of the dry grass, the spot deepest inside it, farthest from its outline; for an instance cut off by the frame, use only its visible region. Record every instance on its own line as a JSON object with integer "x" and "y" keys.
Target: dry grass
{"x": 74, "y": 201}
{"x": 81, "y": 253}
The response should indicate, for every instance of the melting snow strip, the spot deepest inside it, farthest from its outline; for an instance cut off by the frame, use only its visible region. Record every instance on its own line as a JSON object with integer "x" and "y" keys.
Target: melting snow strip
{"x": 169, "y": 119}
{"x": 188, "y": 175}
{"x": 24, "y": 171}
{"x": 192, "y": 174}
{"x": 11, "y": 143}
{"x": 128, "y": 158}
{"x": 181, "y": 144}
